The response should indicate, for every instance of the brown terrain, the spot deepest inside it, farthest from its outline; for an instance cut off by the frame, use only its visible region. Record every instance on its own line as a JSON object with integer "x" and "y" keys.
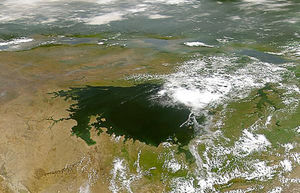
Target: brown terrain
{"x": 38, "y": 153}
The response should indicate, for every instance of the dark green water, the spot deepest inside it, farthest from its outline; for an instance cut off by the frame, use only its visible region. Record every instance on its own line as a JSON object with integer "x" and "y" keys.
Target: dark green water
{"x": 128, "y": 111}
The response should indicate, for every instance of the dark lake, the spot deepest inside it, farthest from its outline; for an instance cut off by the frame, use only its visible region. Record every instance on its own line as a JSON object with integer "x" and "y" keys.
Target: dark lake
{"x": 134, "y": 112}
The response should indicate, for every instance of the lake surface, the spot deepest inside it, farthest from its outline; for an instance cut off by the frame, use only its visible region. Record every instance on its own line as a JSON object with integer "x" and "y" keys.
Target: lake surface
{"x": 131, "y": 111}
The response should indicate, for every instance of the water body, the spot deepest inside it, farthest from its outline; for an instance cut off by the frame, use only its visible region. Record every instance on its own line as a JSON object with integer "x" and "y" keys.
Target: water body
{"x": 134, "y": 112}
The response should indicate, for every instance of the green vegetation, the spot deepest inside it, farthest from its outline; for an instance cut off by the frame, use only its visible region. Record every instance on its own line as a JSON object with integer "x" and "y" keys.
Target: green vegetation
{"x": 242, "y": 114}
{"x": 149, "y": 159}
{"x": 282, "y": 132}
{"x": 296, "y": 70}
